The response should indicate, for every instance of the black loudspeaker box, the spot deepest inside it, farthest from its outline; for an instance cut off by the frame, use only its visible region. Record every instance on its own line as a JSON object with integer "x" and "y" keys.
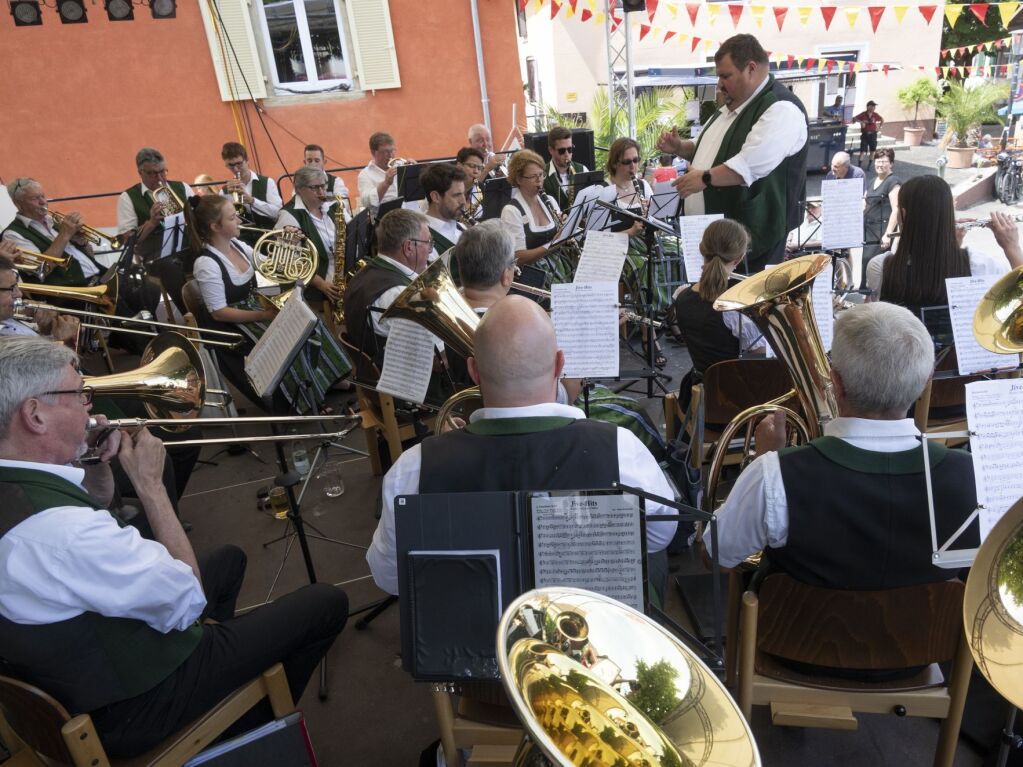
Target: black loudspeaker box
{"x": 582, "y": 141}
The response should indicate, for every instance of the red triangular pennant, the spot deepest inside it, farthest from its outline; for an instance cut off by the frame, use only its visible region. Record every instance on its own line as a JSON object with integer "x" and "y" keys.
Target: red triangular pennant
{"x": 952, "y": 70}
{"x": 586, "y": 15}
{"x": 790, "y": 60}
{"x": 927, "y": 11}
{"x": 876, "y": 12}
{"x": 828, "y": 13}
{"x": 572, "y": 4}
{"x": 980, "y": 11}
{"x": 692, "y": 9}
{"x": 644, "y": 30}
{"x": 651, "y": 9}
{"x": 668, "y": 35}
{"x": 736, "y": 11}
{"x": 829, "y": 65}
{"x": 810, "y": 63}
{"x": 696, "y": 41}
{"x": 779, "y": 15}
{"x": 522, "y": 5}
{"x": 555, "y": 7}
{"x": 885, "y": 70}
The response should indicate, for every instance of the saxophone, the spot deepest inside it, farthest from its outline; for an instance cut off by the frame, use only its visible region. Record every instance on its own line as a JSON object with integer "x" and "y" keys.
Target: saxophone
{"x": 570, "y": 192}
{"x": 340, "y": 242}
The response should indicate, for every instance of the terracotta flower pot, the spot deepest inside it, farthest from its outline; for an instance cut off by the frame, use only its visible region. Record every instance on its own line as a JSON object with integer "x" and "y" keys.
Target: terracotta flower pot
{"x": 912, "y": 136}
{"x": 960, "y": 156}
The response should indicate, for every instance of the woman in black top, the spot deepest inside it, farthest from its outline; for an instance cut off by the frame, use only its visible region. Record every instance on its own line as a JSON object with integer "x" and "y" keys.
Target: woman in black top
{"x": 710, "y": 335}
{"x": 879, "y": 200}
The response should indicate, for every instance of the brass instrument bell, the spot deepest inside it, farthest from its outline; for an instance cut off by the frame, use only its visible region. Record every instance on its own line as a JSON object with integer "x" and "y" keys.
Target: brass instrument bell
{"x": 95, "y": 236}
{"x": 284, "y": 256}
{"x": 168, "y": 200}
{"x": 998, "y": 320}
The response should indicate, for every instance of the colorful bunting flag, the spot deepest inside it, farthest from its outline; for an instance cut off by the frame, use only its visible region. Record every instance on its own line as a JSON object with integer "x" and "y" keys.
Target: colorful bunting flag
{"x": 586, "y": 14}
{"x": 696, "y": 42}
{"x": 779, "y": 15}
{"x": 829, "y": 65}
{"x": 927, "y": 11}
{"x": 522, "y": 5}
{"x": 980, "y": 11}
{"x": 555, "y": 7}
{"x": 876, "y": 12}
{"x": 736, "y": 13}
{"x": 672, "y": 11}
{"x": 900, "y": 11}
{"x": 644, "y": 30}
{"x": 885, "y": 70}
{"x": 851, "y": 14}
{"x": 692, "y": 9}
{"x": 804, "y": 14}
{"x": 790, "y": 60}
{"x": 712, "y": 11}
{"x": 757, "y": 12}
{"x": 651, "y": 9}
{"x": 668, "y": 35}
{"x": 1006, "y": 11}
{"x": 952, "y": 13}
{"x": 828, "y": 13}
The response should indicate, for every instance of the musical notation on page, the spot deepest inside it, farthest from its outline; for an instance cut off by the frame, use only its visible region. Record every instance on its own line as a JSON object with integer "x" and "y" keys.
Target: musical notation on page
{"x": 841, "y": 213}
{"x": 408, "y": 361}
{"x": 964, "y": 293}
{"x": 269, "y": 359}
{"x": 586, "y": 325}
{"x": 603, "y": 257}
{"x": 691, "y": 232}
{"x": 994, "y": 412}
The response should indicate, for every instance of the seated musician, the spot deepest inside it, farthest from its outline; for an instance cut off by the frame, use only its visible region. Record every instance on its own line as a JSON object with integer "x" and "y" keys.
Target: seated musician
{"x": 259, "y": 194}
{"x": 521, "y": 439}
{"x": 444, "y": 187}
{"x": 227, "y": 279}
{"x": 470, "y": 159}
{"x": 562, "y": 167}
{"x": 33, "y": 229}
{"x": 378, "y": 181}
{"x": 160, "y": 231}
{"x": 481, "y": 139}
{"x": 403, "y": 250}
{"x": 313, "y": 155}
{"x": 61, "y": 327}
{"x": 140, "y": 634}
{"x": 533, "y": 218}
{"x": 712, "y": 336}
{"x": 849, "y": 510}
{"x": 315, "y": 214}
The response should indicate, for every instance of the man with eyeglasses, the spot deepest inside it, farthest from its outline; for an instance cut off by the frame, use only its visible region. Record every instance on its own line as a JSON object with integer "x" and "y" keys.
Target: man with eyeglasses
{"x": 314, "y": 213}
{"x": 260, "y": 198}
{"x": 61, "y": 327}
{"x": 139, "y": 634}
{"x": 378, "y": 181}
{"x": 562, "y": 167}
{"x": 749, "y": 161}
{"x": 313, "y": 155}
{"x": 471, "y": 160}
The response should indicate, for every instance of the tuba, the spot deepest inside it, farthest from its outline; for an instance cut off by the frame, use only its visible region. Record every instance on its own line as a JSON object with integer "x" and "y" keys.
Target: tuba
{"x": 284, "y": 256}
{"x": 433, "y": 301}
{"x": 170, "y": 381}
{"x": 998, "y": 320}
{"x": 595, "y": 682}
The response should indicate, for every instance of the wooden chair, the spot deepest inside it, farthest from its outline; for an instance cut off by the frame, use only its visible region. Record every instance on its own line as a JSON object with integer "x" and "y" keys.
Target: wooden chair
{"x": 915, "y": 626}
{"x": 46, "y": 731}
{"x": 492, "y": 745}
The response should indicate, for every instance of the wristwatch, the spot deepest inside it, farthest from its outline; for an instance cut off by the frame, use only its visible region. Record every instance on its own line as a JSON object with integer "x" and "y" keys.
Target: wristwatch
{"x": 708, "y": 181}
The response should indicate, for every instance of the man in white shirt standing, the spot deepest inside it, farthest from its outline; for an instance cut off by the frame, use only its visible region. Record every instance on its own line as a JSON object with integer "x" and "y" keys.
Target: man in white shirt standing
{"x": 749, "y": 162}
{"x": 378, "y": 181}
{"x": 109, "y": 623}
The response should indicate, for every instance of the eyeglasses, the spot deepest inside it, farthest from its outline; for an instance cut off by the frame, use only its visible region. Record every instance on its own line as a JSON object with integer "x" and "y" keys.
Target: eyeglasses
{"x": 10, "y": 289}
{"x": 421, "y": 242}
{"x": 84, "y": 394}
{"x": 474, "y": 166}
{"x": 565, "y": 149}
{"x": 629, "y": 161}
{"x": 537, "y": 177}
{"x": 317, "y": 188}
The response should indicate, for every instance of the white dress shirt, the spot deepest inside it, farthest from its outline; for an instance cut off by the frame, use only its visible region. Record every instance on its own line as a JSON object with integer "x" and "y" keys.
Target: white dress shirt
{"x": 516, "y": 221}
{"x": 173, "y": 226}
{"x": 385, "y": 299}
{"x": 449, "y": 230}
{"x": 370, "y": 178}
{"x": 980, "y": 264}
{"x": 324, "y": 228}
{"x": 271, "y": 206}
{"x": 636, "y": 467}
{"x": 50, "y": 232}
{"x": 67, "y": 560}
{"x": 12, "y": 327}
{"x": 779, "y": 133}
{"x": 211, "y": 281}
{"x": 756, "y": 513}
{"x": 744, "y": 329}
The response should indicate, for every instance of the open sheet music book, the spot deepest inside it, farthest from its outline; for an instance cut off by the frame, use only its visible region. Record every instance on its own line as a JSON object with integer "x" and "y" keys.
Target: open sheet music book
{"x": 266, "y": 364}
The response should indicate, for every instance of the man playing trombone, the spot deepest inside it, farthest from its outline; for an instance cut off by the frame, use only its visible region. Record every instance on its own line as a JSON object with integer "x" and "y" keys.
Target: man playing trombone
{"x": 150, "y": 621}
{"x": 34, "y": 229}
{"x": 61, "y": 327}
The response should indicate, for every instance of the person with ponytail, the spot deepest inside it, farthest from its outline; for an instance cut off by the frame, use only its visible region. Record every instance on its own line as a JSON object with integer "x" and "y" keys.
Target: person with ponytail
{"x": 227, "y": 280}
{"x": 710, "y": 335}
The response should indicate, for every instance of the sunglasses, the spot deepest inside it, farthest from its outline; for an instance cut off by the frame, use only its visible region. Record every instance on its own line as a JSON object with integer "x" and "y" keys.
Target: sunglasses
{"x": 630, "y": 161}
{"x": 565, "y": 150}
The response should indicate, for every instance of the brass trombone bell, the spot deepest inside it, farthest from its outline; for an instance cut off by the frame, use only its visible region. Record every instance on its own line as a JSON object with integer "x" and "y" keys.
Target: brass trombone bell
{"x": 170, "y": 381}
{"x": 998, "y": 320}
{"x": 433, "y": 301}
{"x": 104, "y": 295}
{"x": 95, "y": 236}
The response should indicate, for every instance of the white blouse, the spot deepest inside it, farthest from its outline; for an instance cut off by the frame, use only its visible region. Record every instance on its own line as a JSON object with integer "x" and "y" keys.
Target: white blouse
{"x": 516, "y": 222}
{"x": 211, "y": 283}
{"x": 980, "y": 264}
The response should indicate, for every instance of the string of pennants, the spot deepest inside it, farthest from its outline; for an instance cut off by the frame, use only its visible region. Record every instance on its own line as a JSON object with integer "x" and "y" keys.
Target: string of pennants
{"x": 593, "y": 9}
{"x": 989, "y": 46}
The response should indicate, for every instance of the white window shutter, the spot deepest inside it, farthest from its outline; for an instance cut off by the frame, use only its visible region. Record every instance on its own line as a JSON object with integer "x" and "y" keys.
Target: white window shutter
{"x": 375, "y": 57}
{"x": 232, "y": 27}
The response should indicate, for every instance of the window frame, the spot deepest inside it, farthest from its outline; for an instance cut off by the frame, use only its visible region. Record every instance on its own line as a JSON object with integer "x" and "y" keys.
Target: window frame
{"x": 310, "y": 87}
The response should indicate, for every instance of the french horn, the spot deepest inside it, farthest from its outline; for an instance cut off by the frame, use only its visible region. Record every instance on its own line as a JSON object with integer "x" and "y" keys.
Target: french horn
{"x": 284, "y": 256}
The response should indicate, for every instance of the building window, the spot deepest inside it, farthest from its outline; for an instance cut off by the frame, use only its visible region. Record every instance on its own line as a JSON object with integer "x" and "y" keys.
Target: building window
{"x": 305, "y": 45}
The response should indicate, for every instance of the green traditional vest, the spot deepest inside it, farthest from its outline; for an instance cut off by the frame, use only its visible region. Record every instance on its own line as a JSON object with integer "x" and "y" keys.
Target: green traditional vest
{"x": 143, "y": 203}
{"x": 324, "y": 251}
{"x": 72, "y": 276}
{"x": 761, "y": 207}
{"x": 552, "y": 185}
{"x": 259, "y": 187}
{"x": 90, "y": 660}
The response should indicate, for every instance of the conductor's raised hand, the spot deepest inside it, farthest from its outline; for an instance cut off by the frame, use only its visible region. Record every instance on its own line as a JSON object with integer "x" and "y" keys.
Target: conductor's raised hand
{"x": 669, "y": 142}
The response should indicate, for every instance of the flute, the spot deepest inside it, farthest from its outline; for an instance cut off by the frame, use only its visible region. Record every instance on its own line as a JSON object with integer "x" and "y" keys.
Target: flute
{"x": 977, "y": 223}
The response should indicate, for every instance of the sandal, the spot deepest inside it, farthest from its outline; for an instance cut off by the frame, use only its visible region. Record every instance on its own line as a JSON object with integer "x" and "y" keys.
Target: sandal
{"x": 660, "y": 361}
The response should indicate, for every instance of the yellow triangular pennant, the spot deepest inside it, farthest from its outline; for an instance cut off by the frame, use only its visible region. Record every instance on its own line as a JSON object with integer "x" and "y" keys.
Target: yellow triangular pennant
{"x": 713, "y": 10}
{"x": 593, "y": 5}
{"x": 799, "y": 61}
{"x": 599, "y": 18}
{"x": 900, "y": 11}
{"x": 804, "y": 14}
{"x": 944, "y": 72}
{"x": 708, "y": 45}
{"x": 537, "y": 5}
{"x": 852, "y": 14}
{"x": 682, "y": 38}
{"x": 757, "y": 12}
{"x": 820, "y": 64}
{"x": 1007, "y": 11}
{"x": 952, "y": 14}
{"x": 672, "y": 11}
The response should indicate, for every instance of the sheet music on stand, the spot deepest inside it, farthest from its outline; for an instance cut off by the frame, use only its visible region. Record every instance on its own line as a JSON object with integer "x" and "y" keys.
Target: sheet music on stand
{"x": 586, "y": 325}
{"x": 572, "y": 226}
{"x": 841, "y": 213}
{"x": 964, "y": 294}
{"x": 665, "y": 202}
{"x": 603, "y": 257}
{"x": 590, "y": 540}
{"x": 691, "y": 230}
{"x": 408, "y": 361}
{"x": 273, "y": 353}
{"x": 994, "y": 411}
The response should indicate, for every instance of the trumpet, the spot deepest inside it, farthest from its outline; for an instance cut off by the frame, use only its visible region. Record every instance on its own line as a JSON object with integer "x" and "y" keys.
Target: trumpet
{"x": 235, "y": 339}
{"x": 95, "y": 236}
{"x": 168, "y": 200}
{"x": 238, "y": 195}
{"x": 396, "y": 162}
{"x": 546, "y": 294}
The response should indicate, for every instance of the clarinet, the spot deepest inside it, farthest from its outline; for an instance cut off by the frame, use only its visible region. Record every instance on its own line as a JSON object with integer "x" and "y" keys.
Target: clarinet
{"x": 644, "y": 203}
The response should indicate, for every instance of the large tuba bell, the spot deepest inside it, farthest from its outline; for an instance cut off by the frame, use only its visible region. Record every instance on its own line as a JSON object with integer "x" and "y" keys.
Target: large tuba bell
{"x": 284, "y": 256}
{"x": 433, "y": 301}
{"x": 597, "y": 683}
{"x": 170, "y": 382}
{"x": 998, "y": 321}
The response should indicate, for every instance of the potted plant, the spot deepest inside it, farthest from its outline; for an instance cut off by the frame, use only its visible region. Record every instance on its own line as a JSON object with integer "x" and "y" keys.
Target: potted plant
{"x": 966, "y": 109}
{"x": 922, "y": 91}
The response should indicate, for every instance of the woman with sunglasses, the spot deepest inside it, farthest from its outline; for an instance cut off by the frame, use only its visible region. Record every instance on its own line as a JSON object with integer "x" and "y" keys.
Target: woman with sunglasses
{"x": 532, "y": 218}
{"x": 623, "y": 190}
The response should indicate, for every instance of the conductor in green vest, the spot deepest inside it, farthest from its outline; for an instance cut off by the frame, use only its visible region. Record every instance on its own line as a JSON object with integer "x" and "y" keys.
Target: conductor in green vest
{"x": 749, "y": 161}
{"x": 107, "y": 622}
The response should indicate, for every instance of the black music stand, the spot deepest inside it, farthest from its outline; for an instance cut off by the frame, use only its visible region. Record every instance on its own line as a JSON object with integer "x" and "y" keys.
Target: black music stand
{"x": 580, "y": 181}
{"x": 497, "y": 193}
{"x": 409, "y": 186}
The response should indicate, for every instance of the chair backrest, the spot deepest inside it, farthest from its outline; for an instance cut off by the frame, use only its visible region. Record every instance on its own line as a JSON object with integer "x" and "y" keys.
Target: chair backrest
{"x": 731, "y": 386}
{"x": 36, "y": 718}
{"x": 366, "y": 372}
{"x": 192, "y": 296}
{"x": 896, "y": 628}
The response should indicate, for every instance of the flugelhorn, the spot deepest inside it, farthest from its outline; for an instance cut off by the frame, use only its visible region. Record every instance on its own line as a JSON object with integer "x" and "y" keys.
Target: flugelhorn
{"x": 167, "y": 199}
{"x": 397, "y": 162}
{"x": 103, "y": 295}
{"x": 95, "y": 236}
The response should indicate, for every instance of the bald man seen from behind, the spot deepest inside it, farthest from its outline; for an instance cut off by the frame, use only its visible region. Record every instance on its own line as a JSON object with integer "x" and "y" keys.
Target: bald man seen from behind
{"x": 521, "y": 439}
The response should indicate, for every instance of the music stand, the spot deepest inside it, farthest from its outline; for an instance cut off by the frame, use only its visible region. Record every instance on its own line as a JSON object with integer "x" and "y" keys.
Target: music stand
{"x": 497, "y": 193}
{"x": 408, "y": 182}
{"x": 386, "y": 207}
{"x": 580, "y": 181}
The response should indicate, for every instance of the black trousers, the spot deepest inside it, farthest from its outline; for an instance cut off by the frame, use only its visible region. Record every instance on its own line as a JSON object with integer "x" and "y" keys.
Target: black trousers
{"x": 868, "y": 144}
{"x": 296, "y": 630}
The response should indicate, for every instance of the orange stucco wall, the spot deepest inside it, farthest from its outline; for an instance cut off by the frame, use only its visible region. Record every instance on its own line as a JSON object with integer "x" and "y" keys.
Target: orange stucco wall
{"x": 77, "y": 100}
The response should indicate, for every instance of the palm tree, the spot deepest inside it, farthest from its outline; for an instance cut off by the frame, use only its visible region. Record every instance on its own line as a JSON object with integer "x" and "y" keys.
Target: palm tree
{"x": 967, "y": 108}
